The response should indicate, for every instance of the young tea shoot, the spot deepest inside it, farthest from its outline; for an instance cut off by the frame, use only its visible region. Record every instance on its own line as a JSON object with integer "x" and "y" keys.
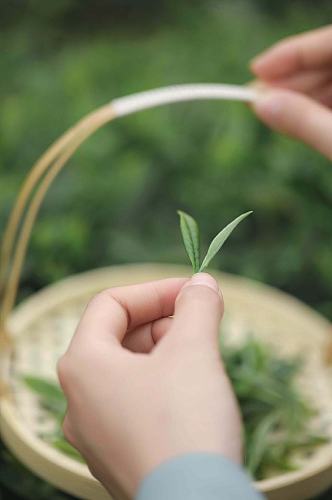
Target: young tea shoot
{"x": 278, "y": 426}
{"x": 190, "y": 234}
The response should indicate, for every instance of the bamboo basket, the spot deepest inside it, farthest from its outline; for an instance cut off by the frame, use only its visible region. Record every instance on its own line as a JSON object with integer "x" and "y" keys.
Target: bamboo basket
{"x": 34, "y": 334}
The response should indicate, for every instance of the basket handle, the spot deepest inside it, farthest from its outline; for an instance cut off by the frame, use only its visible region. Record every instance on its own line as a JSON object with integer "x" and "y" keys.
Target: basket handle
{"x": 45, "y": 170}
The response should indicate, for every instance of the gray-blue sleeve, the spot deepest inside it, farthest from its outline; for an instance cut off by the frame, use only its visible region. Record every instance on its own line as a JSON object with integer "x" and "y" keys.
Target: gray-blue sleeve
{"x": 198, "y": 476}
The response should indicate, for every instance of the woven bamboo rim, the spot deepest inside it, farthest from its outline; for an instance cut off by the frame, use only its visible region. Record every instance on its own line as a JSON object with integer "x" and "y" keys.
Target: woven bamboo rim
{"x": 14, "y": 248}
{"x": 277, "y": 313}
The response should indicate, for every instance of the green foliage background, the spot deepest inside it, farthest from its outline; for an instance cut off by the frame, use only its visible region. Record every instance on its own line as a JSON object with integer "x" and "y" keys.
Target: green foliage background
{"x": 116, "y": 202}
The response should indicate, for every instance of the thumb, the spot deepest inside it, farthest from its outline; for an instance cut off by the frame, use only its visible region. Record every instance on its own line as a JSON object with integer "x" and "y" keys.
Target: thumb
{"x": 198, "y": 311}
{"x": 298, "y": 116}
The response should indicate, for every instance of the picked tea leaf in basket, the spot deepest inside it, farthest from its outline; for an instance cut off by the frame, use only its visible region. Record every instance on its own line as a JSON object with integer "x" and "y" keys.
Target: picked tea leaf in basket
{"x": 276, "y": 418}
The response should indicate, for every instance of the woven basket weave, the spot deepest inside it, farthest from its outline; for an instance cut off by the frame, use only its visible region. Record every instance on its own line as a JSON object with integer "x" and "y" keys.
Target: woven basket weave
{"x": 37, "y": 332}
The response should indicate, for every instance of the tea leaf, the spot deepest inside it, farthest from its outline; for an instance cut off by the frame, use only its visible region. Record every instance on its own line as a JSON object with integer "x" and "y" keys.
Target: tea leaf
{"x": 259, "y": 442}
{"x": 53, "y": 400}
{"x": 277, "y": 419}
{"x": 44, "y": 388}
{"x": 220, "y": 239}
{"x": 50, "y": 394}
{"x": 190, "y": 235}
{"x": 62, "y": 445}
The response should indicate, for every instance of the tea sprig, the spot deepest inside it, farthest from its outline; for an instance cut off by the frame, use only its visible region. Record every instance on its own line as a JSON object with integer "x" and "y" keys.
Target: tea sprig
{"x": 190, "y": 234}
{"x": 277, "y": 418}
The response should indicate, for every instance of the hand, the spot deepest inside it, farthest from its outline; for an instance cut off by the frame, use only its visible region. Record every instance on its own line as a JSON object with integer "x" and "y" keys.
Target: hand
{"x": 297, "y": 100}
{"x": 143, "y": 387}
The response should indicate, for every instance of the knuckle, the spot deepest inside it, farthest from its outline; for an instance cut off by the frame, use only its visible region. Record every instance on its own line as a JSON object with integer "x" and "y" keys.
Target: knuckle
{"x": 100, "y": 298}
{"x": 109, "y": 297}
{"x": 62, "y": 371}
{"x": 70, "y": 368}
{"x": 69, "y": 372}
{"x": 68, "y": 430}
{"x": 106, "y": 298}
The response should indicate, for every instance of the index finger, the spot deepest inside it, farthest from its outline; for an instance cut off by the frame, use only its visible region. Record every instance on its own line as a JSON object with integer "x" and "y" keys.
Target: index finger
{"x": 113, "y": 312}
{"x": 302, "y": 52}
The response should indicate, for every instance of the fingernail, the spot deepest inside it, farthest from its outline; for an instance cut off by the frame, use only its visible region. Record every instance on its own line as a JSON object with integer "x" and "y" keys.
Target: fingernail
{"x": 269, "y": 105}
{"x": 257, "y": 62}
{"x": 203, "y": 279}
{"x": 259, "y": 85}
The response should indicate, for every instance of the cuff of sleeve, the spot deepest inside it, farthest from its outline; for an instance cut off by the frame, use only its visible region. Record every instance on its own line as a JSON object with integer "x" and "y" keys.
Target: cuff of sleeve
{"x": 197, "y": 476}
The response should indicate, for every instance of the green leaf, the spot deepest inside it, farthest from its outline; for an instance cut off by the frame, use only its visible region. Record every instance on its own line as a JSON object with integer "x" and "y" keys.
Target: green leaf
{"x": 50, "y": 394}
{"x": 44, "y": 388}
{"x": 190, "y": 235}
{"x": 220, "y": 239}
{"x": 62, "y": 445}
{"x": 259, "y": 442}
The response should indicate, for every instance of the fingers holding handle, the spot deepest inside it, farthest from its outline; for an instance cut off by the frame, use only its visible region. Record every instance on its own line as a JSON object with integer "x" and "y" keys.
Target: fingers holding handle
{"x": 296, "y": 54}
{"x": 298, "y": 116}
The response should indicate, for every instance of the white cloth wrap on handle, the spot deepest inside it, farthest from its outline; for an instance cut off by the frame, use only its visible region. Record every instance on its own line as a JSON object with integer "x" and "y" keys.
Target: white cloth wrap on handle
{"x": 176, "y": 93}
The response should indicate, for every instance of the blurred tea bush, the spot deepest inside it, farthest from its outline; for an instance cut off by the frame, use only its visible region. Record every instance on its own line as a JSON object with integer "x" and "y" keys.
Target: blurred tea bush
{"x": 116, "y": 202}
